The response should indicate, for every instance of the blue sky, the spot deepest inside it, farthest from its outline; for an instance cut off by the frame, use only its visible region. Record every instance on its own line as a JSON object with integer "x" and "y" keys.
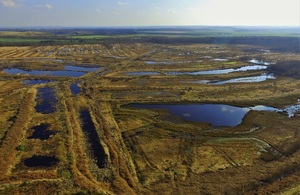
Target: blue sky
{"x": 14, "y": 13}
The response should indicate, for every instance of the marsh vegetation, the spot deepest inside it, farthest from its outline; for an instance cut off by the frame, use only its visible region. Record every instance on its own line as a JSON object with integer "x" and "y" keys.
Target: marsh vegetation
{"x": 149, "y": 111}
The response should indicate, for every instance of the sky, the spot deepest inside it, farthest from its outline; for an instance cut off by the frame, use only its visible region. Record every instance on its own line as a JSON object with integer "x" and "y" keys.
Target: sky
{"x": 98, "y": 13}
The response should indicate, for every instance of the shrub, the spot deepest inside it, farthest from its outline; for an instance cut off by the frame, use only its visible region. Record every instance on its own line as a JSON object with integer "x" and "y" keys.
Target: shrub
{"x": 21, "y": 148}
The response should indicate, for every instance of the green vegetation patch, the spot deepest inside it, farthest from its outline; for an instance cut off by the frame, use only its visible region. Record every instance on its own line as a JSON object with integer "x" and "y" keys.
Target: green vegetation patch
{"x": 91, "y": 36}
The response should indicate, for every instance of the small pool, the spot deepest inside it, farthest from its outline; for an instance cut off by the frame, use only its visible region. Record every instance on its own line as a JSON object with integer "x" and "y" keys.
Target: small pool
{"x": 157, "y": 63}
{"x": 35, "y": 82}
{"x": 40, "y": 161}
{"x": 81, "y": 68}
{"x": 254, "y": 61}
{"x": 75, "y": 89}
{"x": 41, "y": 132}
{"x": 142, "y": 73}
{"x": 46, "y": 100}
{"x": 90, "y": 131}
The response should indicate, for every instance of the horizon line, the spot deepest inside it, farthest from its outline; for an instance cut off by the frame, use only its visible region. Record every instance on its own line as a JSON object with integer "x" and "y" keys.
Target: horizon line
{"x": 151, "y": 26}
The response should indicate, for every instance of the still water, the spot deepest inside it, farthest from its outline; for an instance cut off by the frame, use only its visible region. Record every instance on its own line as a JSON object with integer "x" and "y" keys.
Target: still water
{"x": 89, "y": 130}
{"x": 70, "y": 71}
{"x": 214, "y": 114}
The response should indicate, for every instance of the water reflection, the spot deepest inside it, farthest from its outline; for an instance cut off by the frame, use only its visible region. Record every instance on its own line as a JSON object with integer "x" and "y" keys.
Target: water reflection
{"x": 221, "y": 71}
{"x": 252, "y": 79}
{"x": 253, "y": 61}
{"x": 215, "y": 114}
{"x": 291, "y": 110}
{"x": 71, "y": 71}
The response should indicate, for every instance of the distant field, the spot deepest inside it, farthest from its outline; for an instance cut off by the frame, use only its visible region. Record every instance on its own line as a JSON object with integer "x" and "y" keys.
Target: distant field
{"x": 111, "y": 36}
{"x": 23, "y": 33}
{"x": 224, "y": 33}
{"x": 90, "y": 36}
{"x": 278, "y": 39}
{"x": 191, "y": 34}
{"x": 18, "y": 40}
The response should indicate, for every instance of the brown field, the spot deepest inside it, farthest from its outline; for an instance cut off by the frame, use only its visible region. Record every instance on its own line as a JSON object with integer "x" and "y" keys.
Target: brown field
{"x": 147, "y": 151}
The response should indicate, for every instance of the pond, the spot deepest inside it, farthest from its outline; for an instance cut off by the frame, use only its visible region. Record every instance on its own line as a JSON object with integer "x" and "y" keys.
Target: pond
{"x": 157, "y": 63}
{"x": 170, "y": 62}
{"x": 37, "y": 81}
{"x": 75, "y": 89}
{"x": 46, "y": 100}
{"x": 89, "y": 130}
{"x": 81, "y": 68}
{"x": 253, "y": 61}
{"x": 253, "y": 79}
{"x": 41, "y": 132}
{"x": 56, "y": 73}
{"x": 214, "y": 114}
{"x": 40, "y": 161}
{"x": 221, "y": 71}
{"x": 70, "y": 71}
{"x": 292, "y": 110}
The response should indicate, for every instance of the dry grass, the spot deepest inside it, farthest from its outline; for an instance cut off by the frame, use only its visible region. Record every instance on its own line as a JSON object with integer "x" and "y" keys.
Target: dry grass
{"x": 149, "y": 152}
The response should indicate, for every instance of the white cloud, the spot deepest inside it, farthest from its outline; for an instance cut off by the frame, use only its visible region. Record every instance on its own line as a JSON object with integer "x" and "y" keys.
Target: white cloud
{"x": 122, "y": 3}
{"x": 253, "y": 13}
{"x": 9, "y": 3}
{"x": 173, "y": 11}
{"x": 192, "y": 9}
{"x": 98, "y": 11}
{"x": 48, "y": 6}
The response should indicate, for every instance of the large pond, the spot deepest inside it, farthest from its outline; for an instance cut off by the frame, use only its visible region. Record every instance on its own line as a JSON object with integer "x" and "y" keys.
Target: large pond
{"x": 70, "y": 71}
{"x": 214, "y": 114}
{"x": 93, "y": 138}
{"x": 46, "y": 100}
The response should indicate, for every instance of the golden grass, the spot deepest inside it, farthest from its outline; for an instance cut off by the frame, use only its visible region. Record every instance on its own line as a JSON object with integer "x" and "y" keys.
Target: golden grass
{"x": 149, "y": 152}
{"x": 16, "y": 134}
